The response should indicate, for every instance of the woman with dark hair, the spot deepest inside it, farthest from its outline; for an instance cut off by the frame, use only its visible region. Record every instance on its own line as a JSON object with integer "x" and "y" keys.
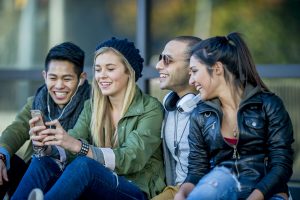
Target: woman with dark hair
{"x": 116, "y": 139}
{"x": 240, "y": 134}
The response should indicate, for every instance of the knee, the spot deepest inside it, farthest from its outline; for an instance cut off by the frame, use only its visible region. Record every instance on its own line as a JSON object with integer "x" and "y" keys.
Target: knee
{"x": 83, "y": 164}
{"x": 204, "y": 191}
{"x": 43, "y": 162}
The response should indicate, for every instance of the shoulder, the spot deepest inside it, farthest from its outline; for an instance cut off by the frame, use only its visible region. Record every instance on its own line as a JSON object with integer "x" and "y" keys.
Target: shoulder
{"x": 147, "y": 101}
{"x": 269, "y": 99}
{"x": 30, "y": 100}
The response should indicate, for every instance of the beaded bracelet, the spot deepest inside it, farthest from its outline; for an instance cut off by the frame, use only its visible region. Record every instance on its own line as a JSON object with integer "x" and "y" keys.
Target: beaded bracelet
{"x": 3, "y": 158}
{"x": 84, "y": 148}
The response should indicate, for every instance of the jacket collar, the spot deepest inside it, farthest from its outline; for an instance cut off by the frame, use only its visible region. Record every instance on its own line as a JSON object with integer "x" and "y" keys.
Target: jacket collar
{"x": 249, "y": 92}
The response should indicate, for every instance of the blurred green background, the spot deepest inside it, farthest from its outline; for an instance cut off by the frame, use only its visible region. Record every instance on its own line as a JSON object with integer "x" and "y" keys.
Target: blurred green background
{"x": 29, "y": 28}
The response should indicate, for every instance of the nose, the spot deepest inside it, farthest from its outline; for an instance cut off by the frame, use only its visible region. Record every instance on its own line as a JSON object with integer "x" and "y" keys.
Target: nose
{"x": 191, "y": 80}
{"x": 159, "y": 65}
{"x": 103, "y": 73}
{"x": 59, "y": 83}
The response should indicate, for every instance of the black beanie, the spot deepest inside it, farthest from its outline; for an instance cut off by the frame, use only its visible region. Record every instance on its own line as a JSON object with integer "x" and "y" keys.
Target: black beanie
{"x": 129, "y": 51}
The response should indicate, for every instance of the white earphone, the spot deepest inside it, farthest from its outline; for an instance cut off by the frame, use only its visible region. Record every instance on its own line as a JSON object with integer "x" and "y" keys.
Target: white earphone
{"x": 184, "y": 104}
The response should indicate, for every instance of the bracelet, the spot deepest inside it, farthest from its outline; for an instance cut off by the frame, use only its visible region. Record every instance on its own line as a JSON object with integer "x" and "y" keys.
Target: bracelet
{"x": 84, "y": 148}
{"x": 3, "y": 158}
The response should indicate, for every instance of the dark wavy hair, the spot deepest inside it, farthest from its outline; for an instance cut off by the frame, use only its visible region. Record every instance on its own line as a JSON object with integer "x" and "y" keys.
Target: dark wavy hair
{"x": 67, "y": 51}
{"x": 233, "y": 53}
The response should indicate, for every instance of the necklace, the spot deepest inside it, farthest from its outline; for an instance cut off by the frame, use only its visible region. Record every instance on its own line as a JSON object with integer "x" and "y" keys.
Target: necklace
{"x": 176, "y": 142}
{"x": 235, "y": 131}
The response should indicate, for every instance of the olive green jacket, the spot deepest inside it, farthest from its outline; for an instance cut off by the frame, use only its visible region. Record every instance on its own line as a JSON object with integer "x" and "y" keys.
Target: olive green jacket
{"x": 17, "y": 133}
{"x": 139, "y": 155}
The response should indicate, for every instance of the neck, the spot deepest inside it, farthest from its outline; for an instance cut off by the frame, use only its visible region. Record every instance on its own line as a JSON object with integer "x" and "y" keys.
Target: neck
{"x": 183, "y": 91}
{"x": 117, "y": 101}
{"x": 230, "y": 99}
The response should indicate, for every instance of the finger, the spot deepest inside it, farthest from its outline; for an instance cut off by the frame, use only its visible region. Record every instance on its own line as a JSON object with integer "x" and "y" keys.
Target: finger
{"x": 54, "y": 123}
{"x": 37, "y": 137}
{"x": 38, "y": 143}
{"x": 33, "y": 120}
{"x": 4, "y": 174}
{"x": 50, "y": 138}
{"x": 38, "y": 140}
{"x": 48, "y": 131}
{"x": 36, "y": 130}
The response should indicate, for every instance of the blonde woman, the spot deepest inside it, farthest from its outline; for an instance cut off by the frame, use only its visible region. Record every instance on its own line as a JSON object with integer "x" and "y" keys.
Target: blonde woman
{"x": 116, "y": 140}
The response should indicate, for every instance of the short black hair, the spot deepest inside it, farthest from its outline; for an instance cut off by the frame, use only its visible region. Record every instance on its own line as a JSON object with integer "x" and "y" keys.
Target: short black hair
{"x": 189, "y": 40}
{"x": 67, "y": 51}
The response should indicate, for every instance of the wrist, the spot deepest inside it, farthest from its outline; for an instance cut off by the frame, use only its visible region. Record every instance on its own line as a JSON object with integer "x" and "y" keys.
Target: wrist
{"x": 84, "y": 149}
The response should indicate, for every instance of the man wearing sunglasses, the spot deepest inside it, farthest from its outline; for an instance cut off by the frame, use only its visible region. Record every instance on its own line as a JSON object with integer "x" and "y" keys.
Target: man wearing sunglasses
{"x": 173, "y": 68}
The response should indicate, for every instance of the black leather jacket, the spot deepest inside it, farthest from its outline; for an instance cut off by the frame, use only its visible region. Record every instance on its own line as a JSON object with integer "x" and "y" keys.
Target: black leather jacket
{"x": 263, "y": 157}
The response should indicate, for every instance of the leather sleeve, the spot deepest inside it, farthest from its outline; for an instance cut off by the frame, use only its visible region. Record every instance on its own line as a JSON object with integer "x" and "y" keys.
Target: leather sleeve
{"x": 198, "y": 160}
{"x": 279, "y": 143}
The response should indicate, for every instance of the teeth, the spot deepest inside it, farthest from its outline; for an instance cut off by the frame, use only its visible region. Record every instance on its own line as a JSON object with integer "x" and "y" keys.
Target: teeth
{"x": 60, "y": 94}
{"x": 162, "y": 75}
{"x": 198, "y": 88}
{"x": 105, "y": 84}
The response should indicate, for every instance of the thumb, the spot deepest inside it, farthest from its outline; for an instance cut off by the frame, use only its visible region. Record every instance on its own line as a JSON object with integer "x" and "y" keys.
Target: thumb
{"x": 54, "y": 123}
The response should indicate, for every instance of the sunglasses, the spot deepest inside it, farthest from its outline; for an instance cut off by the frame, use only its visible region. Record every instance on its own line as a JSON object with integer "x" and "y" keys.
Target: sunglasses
{"x": 167, "y": 59}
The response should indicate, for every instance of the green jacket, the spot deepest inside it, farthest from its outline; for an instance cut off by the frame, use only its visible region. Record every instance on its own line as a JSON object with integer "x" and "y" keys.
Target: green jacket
{"x": 139, "y": 155}
{"x": 17, "y": 133}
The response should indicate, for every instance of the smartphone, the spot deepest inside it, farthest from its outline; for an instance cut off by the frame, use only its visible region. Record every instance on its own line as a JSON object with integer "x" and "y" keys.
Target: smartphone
{"x": 37, "y": 113}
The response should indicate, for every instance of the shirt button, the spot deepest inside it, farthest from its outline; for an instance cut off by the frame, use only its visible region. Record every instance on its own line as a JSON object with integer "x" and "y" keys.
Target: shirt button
{"x": 253, "y": 123}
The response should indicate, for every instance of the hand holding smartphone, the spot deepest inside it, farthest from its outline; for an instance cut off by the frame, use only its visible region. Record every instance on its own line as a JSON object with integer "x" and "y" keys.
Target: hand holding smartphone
{"x": 38, "y": 150}
{"x": 37, "y": 113}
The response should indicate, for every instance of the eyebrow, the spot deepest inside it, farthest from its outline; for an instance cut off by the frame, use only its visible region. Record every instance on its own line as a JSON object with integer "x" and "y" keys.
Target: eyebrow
{"x": 64, "y": 75}
{"x": 106, "y": 65}
{"x": 190, "y": 67}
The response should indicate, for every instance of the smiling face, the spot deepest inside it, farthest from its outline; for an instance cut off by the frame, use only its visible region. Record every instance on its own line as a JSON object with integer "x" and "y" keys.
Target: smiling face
{"x": 173, "y": 67}
{"x": 200, "y": 78}
{"x": 110, "y": 74}
{"x": 61, "y": 81}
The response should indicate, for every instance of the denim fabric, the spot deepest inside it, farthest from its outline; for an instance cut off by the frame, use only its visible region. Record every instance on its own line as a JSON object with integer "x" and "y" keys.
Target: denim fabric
{"x": 218, "y": 184}
{"x": 83, "y": 178}
{"x": 41, "y": 173}
{"x": 276, "y": 197}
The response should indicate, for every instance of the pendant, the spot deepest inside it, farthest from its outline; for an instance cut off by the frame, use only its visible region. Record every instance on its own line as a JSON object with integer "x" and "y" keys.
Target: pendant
{"x": 176, "y": 150}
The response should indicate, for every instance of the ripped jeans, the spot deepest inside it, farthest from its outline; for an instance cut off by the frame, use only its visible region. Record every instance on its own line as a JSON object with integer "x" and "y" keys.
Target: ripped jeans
{"x": 217, "y": 184}
{"x": 220, "y": 184}
{"x": 83, "y": 178}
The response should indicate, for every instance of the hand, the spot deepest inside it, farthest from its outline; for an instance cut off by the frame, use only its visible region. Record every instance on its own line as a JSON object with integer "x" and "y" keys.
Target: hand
{"x": 256, "y": 195}
{"x": 179, "y": 196}
{"x": 34, "y": 132}
{"x": 58, "y": 136}
{"x": 184, "y": 190}
{"x": 3, "y": 172}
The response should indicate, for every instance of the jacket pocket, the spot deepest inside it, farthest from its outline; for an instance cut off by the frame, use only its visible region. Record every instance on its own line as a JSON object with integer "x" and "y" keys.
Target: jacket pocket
{"x": 254, "y": 123}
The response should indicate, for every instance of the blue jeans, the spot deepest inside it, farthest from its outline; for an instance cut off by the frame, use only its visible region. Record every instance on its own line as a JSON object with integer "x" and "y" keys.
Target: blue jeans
{"x": 83, "y": 178}
{"x": 217, "y": 184}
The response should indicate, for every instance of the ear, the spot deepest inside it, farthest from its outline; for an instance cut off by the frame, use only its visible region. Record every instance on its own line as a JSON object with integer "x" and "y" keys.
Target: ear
{"x": 218, "y": 68}
{"x": 82, "y": 78}
{"x": 44, "y": 73}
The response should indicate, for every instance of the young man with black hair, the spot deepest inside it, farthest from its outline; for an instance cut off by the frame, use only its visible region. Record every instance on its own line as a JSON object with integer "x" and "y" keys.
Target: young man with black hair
{"x": 173, "y": 68}
{"x": 61, "y": 97}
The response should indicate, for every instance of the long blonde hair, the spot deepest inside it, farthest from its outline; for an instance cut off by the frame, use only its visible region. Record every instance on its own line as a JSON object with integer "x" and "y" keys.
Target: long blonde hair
{"x": 103, "y": 132}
